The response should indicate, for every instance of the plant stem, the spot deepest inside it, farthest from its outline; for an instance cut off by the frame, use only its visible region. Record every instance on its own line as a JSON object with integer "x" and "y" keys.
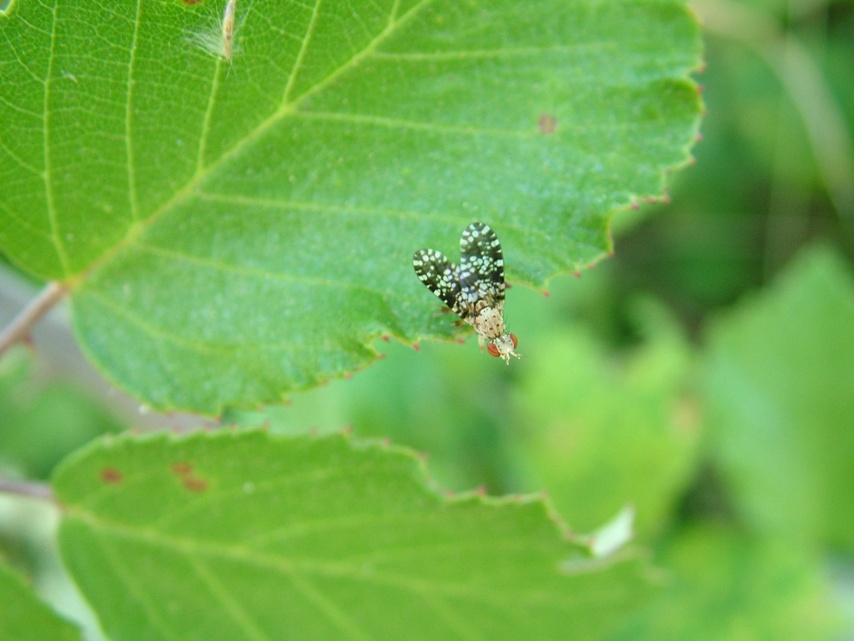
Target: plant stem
{"x": 28, "y": 489}
{"x": 19, "y": 329}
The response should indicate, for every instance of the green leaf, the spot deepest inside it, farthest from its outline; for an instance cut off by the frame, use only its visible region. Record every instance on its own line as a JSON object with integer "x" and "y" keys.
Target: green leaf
{"x": 778, "y": 386}
{"x": 243, "y": 535}
{"x": 24, "y": 617}
{"x": 236, "y": 230}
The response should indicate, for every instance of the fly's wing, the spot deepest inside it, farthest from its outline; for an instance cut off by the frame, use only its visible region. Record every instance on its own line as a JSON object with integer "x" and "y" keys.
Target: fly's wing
{"x": 481, "y": 265}
{"x": 440, "y": 276}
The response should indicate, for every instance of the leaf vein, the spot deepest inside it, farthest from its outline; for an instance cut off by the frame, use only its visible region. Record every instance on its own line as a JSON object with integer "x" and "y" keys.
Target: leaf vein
{"x": 335, "y": 613}
{"x": 25, "y": 223}
{"x": 128, "y": 138}
{"x": 215, "y": 347}
{"x": 509, "y": 52}
{"x": 33, "y": 29}
{"x": 369, "y": 49}
{"x": 132, "y": 585}
{"x": 397, "y": 123}
{"x": 287, "y": 566}
{"x": 20, "y": 161}
{"x": 229, "y": 602}
{"x": 455, "y": 621}
{"x": 328, "y": 208}
{"x": 300, "y": 56}
{"x": 53, "y": 218}
{"x": 19, "y": 109}
{"x": 208, "y": 118}
{"x": 287, "y": 108}
{"x": 232, "y": 268}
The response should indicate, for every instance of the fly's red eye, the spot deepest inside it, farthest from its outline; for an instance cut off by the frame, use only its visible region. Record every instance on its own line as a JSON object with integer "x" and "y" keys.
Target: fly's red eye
{"x": 493, "y": 350}
{"x": 515, "y": 342}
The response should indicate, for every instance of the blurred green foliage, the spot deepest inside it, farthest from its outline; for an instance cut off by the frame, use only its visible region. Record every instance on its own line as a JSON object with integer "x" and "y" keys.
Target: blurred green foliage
{"x": 43, "y": 418}
{"x": 31, "y": 620}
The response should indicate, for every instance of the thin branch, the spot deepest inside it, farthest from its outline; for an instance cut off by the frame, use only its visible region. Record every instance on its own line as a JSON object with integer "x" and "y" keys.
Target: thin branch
{"x": 28, "y": 489}
{"x": 19, "y": 329}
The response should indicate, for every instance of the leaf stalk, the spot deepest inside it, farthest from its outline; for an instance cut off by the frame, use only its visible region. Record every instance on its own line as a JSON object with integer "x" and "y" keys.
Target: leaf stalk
{"x": 21, "y": 326}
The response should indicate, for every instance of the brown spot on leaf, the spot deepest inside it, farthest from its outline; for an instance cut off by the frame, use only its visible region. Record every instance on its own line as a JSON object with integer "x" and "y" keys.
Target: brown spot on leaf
{"x": 194, "y": 484}
{"x": 182, "y": 469}
{"x": 547, "y": 124}
{"x": 112, "y": 475}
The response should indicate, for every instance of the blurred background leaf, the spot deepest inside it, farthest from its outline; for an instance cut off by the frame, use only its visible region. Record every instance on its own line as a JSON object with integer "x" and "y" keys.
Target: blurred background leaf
{"x": 602, "y": 429}
{"x": 24, "y": 618}
{"x": 779, "y": 384}
{"x": 723, "y": 586}
{"x": 43, "y": 419}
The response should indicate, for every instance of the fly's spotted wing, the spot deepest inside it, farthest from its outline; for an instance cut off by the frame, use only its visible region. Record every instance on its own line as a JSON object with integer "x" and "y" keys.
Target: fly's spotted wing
{"x": 481, "y": 265}
{"x": 475, "y": 288}
{"x": 440, "y": 276}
